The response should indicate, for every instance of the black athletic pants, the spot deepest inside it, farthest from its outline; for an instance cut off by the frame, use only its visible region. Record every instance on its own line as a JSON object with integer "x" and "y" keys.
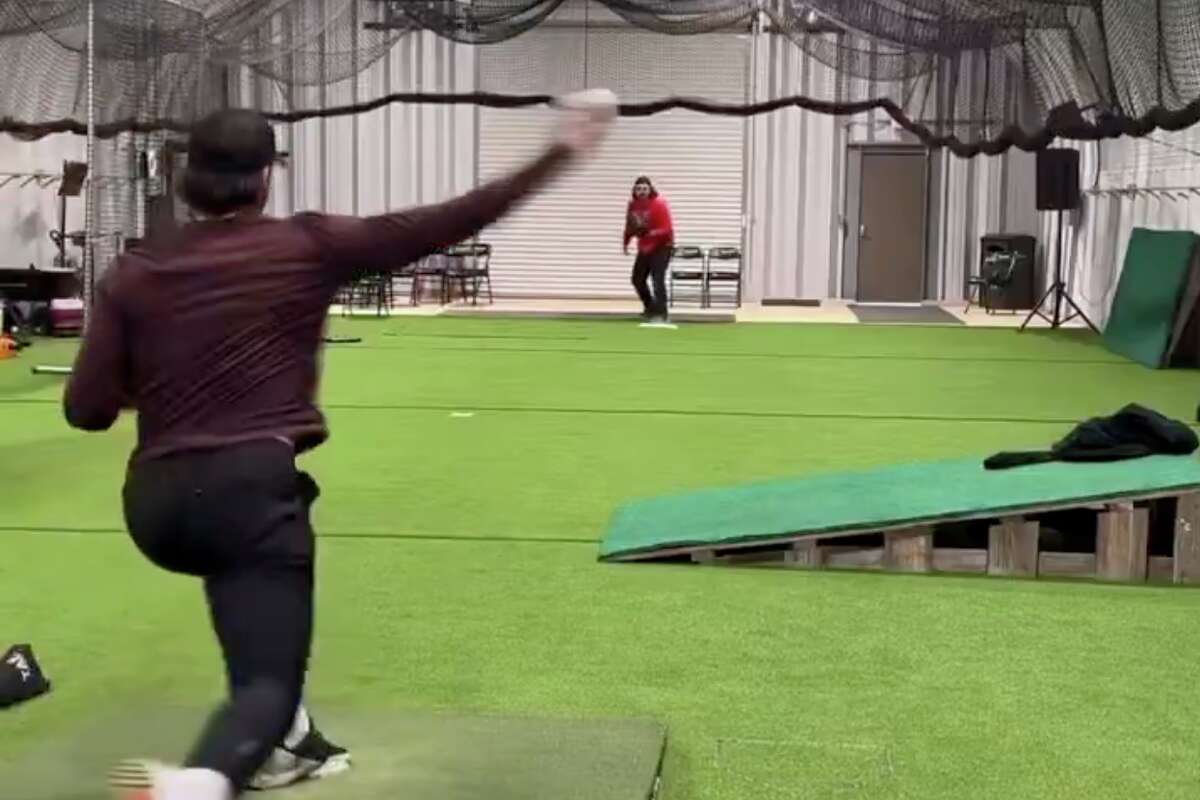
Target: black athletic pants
{"x": 652, "y": 265}
{"x": 238, "y": 517}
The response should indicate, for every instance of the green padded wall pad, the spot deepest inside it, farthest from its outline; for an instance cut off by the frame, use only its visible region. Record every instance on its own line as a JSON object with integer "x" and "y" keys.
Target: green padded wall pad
{"x": 1153, "y": 279}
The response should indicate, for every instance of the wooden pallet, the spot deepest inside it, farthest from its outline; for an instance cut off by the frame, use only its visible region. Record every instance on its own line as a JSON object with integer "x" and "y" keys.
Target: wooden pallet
{"x": 1121, "y": 551}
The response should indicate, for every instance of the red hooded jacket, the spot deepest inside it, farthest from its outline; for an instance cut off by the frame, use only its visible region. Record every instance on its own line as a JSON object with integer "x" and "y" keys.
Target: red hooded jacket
{"x": 649, "y": 219}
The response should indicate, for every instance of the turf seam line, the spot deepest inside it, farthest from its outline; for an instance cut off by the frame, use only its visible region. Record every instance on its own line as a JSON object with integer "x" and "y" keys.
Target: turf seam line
{"x": 659, "y": 412}
{"x": 471, "y": 336}
{"x": 986, "y": 360}
{"x": 675, "y": 412}
{"x": 431, "y": 537}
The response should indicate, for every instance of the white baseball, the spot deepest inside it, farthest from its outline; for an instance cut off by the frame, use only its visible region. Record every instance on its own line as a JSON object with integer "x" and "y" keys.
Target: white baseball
{"x": 598, "y": 101}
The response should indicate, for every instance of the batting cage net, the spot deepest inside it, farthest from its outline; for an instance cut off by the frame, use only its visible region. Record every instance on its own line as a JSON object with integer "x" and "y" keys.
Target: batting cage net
{"x": 972, "y": 76}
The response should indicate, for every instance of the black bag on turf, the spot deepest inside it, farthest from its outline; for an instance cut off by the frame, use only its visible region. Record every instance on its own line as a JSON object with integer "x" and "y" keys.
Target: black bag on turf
{"x": 1133, "y": 432}
{"x": 21, "y": 677}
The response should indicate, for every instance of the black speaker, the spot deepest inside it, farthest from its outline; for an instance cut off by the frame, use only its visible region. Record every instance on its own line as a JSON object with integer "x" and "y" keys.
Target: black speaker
{"x": 994, "y": 250}
{"x": 1057, "y": 179}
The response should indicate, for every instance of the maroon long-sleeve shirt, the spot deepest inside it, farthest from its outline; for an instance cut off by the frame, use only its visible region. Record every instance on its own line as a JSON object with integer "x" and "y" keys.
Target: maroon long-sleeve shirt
{"x": 214, "y": 336}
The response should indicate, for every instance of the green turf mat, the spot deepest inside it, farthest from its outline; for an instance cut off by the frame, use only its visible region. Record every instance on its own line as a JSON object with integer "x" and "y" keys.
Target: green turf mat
{"x": 1156, "y": 271}
{"x": 401, "y": 755}
{"x": 888, "y": 497}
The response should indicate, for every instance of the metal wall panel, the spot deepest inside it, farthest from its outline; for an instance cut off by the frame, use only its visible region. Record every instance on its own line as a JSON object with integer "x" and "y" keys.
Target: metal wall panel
{"x": 566, "y": 242}
{"x": 30, "y": 212}
{"x": 393, "y": 157}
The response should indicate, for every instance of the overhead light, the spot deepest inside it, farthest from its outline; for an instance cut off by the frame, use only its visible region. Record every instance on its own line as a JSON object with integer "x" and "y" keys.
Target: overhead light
{"x": 811, "y": 17}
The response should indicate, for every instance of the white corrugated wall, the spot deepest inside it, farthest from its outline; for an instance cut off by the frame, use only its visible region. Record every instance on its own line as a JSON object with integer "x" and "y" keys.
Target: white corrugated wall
{"x": 566, "y": 242}
{"x": 796, "y": 175}
{"x": 30, "y": 211}
{"x": 393, "y": 157}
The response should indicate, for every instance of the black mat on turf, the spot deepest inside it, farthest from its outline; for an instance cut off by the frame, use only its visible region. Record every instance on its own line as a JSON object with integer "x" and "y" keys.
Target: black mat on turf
{"x": 911, "y": 315}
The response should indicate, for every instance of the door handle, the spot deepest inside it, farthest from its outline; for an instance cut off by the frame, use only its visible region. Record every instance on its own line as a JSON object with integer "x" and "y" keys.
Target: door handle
{"x": 862, "y": 231}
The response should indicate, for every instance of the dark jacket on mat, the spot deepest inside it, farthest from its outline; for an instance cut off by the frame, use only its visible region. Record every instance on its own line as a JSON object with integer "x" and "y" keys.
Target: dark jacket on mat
{"x": 1133, "y": 432}
{"x": 21, "y": 677}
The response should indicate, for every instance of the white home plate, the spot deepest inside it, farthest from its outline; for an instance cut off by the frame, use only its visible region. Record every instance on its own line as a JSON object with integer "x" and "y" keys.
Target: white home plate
{"x": 670, "y": 326}
{"x": 462, "y": 414}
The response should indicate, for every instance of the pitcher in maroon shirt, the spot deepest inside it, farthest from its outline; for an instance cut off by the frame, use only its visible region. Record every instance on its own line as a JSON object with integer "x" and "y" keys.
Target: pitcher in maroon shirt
{"x": 212, "y": 336}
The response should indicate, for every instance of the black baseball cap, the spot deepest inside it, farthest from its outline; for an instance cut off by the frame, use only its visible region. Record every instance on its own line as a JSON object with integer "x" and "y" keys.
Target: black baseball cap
{"x": 232, "y": 141}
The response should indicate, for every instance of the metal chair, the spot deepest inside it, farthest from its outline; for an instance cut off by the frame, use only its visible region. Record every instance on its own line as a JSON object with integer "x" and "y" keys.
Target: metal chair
{"x": 468, "y": 262}
{"x": 432, "y": 267}
{"x": 688, "y": 274}
{"x": 996, "y": 275}
{"x": 721, "y": 273}
{"x": 370, "y": 290}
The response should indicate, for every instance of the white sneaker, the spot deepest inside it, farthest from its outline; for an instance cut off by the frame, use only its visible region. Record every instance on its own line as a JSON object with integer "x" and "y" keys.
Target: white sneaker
{"x": 282, "y": 768}
{"x": 660, "y": 322}
{"x": 304, "y": 755}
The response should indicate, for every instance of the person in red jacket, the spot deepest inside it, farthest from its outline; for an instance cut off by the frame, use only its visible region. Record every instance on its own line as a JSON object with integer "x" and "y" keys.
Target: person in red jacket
{"x": 649, "y": 219}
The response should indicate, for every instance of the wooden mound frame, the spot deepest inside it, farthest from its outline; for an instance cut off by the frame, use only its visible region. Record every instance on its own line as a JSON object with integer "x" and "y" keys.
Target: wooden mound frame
{"x": 1121, "y": 552}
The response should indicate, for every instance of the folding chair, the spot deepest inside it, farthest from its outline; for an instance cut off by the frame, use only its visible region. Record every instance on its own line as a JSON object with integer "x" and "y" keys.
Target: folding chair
{"x": 720, "y": 272}
{"x": 398, "y": 277}
{"x": 345, "y": 298}
{"x": 468, "y": 262}
{"x": 995, "y": 276}
{"x": 691, "y": 273}
{"x": 368, "y": 291}
{"x": 432, "y": 267}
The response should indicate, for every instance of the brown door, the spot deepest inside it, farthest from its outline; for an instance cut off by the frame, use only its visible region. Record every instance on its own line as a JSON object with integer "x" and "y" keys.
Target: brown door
{"x": 891, "y": 244}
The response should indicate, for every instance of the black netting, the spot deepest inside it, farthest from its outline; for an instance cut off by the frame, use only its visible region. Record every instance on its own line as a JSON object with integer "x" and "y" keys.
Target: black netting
{"x": 975, "y": 76}
{"x": 972, "y": 75}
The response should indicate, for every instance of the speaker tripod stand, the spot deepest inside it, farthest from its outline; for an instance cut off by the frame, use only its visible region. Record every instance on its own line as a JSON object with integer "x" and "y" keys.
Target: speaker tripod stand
{"x": 1058, "y": 291}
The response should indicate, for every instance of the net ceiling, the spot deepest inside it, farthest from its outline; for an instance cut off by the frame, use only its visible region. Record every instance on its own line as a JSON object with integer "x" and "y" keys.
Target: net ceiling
{"x": 976, "y": 76}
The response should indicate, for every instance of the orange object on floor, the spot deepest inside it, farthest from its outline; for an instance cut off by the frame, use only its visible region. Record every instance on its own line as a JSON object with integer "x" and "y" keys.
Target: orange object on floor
{"x": 8, "y": 347}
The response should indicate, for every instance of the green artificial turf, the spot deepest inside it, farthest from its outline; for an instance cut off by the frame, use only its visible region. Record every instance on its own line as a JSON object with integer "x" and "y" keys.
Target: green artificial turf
{"x": 458, "y": 572}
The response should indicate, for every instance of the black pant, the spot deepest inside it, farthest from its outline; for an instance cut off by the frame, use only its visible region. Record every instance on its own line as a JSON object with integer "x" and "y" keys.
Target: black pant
{"x": 238, "y": 517}
{"x": 653, "y": 265}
